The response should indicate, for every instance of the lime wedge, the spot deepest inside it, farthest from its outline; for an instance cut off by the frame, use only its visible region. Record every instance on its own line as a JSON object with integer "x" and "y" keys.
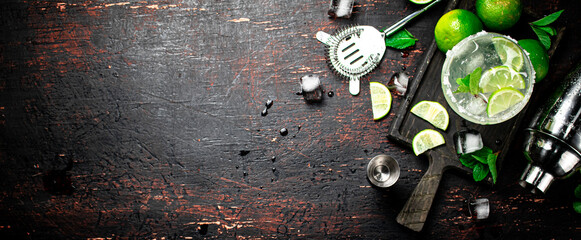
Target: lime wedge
{"x": 421, "y": 1}
{"x": 432, "y": 112}
{"x": 425, "y": 140}
{"x": 501, "y": 77}
{"x": 509, "y": 52}
{"x": 503, "y": 99}
{"x": 380, "y": 100}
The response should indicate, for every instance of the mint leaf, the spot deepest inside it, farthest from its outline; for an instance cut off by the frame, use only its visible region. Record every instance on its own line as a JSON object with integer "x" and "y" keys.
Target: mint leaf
{"x": 578, "y": 191}
{"x": 475, "y": 80}
{"x": 468, "y": 161}
{"x": 548, "y": 19}
{"x": 577, "y": 207}
{"x": 492, "y": 166}
{"x": 481, "y": 159}
{"x": 543, "y": 37}
{"x": 470, "y": 82}
{"x": 548, "y": 29}
{"x": 463, "y": 84}
{"x": 479, "y": 172}
{"x": 400, "y": 39}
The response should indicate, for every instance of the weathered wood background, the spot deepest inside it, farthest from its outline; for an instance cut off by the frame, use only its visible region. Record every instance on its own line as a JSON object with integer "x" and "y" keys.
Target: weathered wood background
{"x": 141, "y": 119}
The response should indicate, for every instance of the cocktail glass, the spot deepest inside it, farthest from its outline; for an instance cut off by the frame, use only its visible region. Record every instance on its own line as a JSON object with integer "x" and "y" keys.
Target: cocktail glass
{"x": 476, "y": 51}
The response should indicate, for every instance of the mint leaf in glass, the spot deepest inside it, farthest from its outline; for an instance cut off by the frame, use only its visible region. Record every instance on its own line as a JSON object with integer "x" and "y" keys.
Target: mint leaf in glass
{"x": 470, "y": 82}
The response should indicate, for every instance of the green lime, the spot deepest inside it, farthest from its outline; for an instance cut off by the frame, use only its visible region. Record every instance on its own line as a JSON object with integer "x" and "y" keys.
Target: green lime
{"x": 380, "y": 100}
{"x": 426, "y": 140}
{"x": 538, "y": 55}
{"x": 509, "y": 52}
{"x": 432, "y": 112}
{"x": 454, "y": 26}
{"x": 421, "y": 1}
{"x": 498, "y": 15}
{"x": 501, "y": 77}
{"x": 503, "y": 99}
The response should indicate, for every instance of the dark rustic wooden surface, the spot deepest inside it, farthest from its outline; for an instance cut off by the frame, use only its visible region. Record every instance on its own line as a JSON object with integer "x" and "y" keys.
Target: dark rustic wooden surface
{"x": 141, "y": 119}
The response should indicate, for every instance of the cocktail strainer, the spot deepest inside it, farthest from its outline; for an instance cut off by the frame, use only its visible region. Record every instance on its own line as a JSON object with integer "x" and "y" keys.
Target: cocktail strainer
{"x": 356, "y": 50}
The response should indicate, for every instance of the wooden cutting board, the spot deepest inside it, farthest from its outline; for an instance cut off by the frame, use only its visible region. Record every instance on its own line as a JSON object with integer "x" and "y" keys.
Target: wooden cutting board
{"x": 427, "y": 86}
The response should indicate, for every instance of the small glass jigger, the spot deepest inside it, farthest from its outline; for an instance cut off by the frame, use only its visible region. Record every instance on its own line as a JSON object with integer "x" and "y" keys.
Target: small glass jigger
{"x": 311, "y": 88}
{"x": 382, "y": 171}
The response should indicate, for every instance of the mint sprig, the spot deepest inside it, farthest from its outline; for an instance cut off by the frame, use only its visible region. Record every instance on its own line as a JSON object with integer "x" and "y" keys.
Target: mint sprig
{"x": 400, "y": 40}
{"x": 470, "y": 82}
{"x": 481, "y": 162}
{"x": 577, "y": 202}
{"x": 542, "y": 29}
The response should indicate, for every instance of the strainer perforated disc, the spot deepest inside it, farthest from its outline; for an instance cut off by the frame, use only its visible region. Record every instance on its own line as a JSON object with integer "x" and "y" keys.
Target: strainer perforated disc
{"x": 354, "y": 51}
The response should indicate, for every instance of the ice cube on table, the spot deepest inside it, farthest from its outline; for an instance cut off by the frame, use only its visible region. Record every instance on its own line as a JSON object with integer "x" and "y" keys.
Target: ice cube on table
{"x": 311, "y": 88}
{"x": 479, "y": 208}
{"x": 468, "y": 141}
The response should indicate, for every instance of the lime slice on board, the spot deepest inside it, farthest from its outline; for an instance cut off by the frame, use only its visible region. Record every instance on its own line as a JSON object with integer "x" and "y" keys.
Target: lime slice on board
{"x": 425, "y": 140}
{"x": 380, "y": 100}
{"x": 503, "y": 99}
{"x": 509, "y": 52}
{"x": 432, "y": 112}
{"x": 421, "y": 1}
{"x": 501, "y": 77}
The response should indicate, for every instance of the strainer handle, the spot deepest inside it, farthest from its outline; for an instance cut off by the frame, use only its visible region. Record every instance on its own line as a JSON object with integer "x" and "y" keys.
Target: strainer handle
{"x": 390, "y": 30}
{"x": 354, "y": 86}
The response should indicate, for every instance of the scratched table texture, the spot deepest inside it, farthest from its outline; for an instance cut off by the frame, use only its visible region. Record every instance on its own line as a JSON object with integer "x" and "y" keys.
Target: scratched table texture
{"x": 142, "y": 119}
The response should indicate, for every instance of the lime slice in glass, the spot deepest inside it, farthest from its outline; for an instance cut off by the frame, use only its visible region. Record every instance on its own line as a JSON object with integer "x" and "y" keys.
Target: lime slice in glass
{"x": 509, "y": 52}
{"x": 425, "y": 140}
{"x": 501, "y": 77}
{"x": 502, "y": 100}
{"x": 432, "y": 112}
{"x": 380, "y": 100}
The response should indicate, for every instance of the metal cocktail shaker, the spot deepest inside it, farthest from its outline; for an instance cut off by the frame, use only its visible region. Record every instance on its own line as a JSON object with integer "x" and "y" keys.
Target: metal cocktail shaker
{"x": 553, "y": 139}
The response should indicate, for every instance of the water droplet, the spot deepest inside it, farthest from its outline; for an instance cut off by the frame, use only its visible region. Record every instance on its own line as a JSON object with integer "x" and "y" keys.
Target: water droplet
{"x": 269, "y": 103}
{"x": 330, "y": 94}
{"x": 283, "y": 131}
{"x": 264, "y": 112}
{"x": 273, "y": 158}
{"x": 404, "y": 54}
{"x": 299, "y": 92}
{"x": 273, "y": 169}
{"x": 245, "y": 173}
{"x": 497, "y": 141}
{"x": 403, "y": 68}
{"x": 244, "y": 152}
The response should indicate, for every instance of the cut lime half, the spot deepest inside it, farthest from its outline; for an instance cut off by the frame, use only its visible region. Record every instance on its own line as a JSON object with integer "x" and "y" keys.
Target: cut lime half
{"x": 502, "y": 100}
{"x": 425, "y": 140}
{"x": 509, "y": 52}
{"x": 501, "y": 77}
{"x": 380, "y": 100}
{"x": 433, "y": 112}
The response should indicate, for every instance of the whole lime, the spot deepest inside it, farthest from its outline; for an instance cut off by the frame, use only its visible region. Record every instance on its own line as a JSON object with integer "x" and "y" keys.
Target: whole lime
{"x": 538, "y": 56}
{"x": 454, "y": 26}
{"x": 498, "y": 15}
